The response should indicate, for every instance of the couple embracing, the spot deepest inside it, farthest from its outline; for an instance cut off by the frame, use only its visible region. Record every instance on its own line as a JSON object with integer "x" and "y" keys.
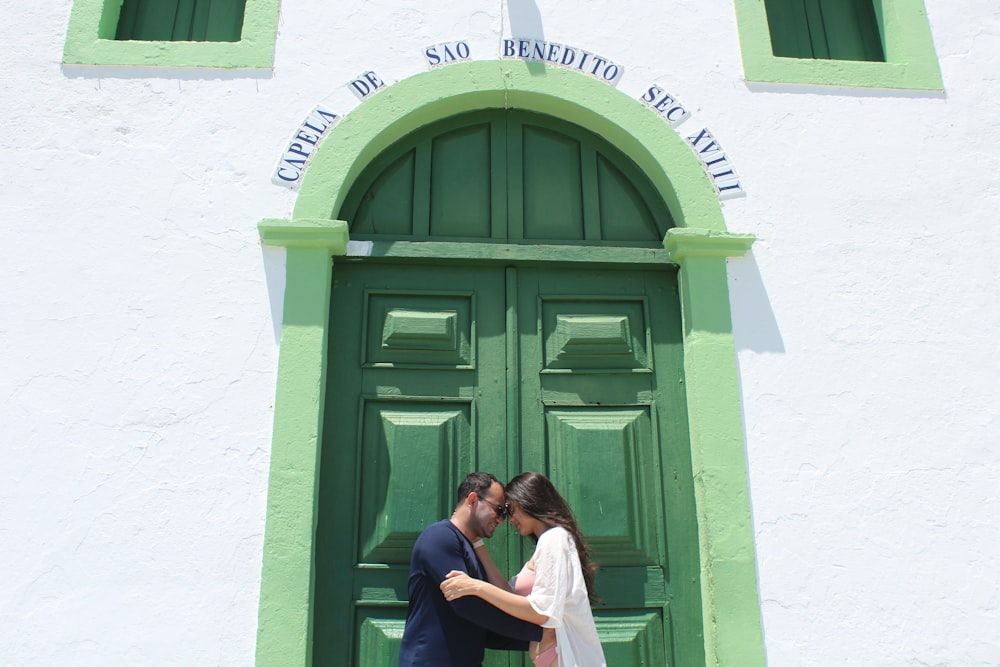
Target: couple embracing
{"x": 460, "y": 602}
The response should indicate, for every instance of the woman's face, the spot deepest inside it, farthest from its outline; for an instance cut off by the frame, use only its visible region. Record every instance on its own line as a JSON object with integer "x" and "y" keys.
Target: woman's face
{"x": 525, "y": 524}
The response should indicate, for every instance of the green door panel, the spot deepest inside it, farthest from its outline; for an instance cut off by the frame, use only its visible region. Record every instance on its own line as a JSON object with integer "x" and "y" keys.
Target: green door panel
{"x": 633, "y": 639}
{"x": 549, "y": 173}
{"x": 379, "y": 638}
{"x": 623, "y": 210}
{"x": 506, "y": 176}
{"x": 460, "y": 183}
{"x": 617, "y": 442}
{"x": 387, "y": 208}
{"x": 400, "y": 438}
{"x": 440, "y": 370}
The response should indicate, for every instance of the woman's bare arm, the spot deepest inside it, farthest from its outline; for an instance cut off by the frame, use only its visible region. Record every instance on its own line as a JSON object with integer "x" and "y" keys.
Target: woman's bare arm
{"x": 459, "y": 584}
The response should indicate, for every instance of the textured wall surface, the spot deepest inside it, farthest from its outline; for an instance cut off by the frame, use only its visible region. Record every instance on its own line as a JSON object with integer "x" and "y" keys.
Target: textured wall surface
{"x": 138, "y": 335}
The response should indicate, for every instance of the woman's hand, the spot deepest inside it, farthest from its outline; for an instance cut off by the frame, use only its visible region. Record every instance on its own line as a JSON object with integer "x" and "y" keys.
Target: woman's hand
{"x": 458, "y": 585}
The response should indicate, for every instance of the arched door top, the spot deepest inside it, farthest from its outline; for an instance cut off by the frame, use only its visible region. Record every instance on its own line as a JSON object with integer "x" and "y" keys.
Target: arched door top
{"x": 506, "y": 176}
{"x": 408, "y": 105}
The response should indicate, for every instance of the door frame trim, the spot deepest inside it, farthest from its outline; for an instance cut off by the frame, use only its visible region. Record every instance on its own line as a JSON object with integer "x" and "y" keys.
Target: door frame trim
{"x": 700, "y": 246}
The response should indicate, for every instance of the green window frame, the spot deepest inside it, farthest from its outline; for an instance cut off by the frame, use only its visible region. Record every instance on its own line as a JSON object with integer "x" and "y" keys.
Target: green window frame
{"x": 910, "y": 60}
{"x": 92, "y": 39}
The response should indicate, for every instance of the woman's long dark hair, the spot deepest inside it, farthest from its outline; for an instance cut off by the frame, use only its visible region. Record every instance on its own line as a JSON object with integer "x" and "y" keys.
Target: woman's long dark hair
{"x": 536, "y": 496}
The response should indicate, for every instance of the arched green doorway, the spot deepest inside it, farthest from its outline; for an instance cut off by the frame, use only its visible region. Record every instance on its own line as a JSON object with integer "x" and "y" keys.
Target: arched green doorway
{"x": 509, "y": 342}
{"x": 699, "y": 245}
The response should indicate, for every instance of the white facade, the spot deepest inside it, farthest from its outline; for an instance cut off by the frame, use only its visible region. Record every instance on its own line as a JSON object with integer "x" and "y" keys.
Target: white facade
{"x": 140, "y": 318}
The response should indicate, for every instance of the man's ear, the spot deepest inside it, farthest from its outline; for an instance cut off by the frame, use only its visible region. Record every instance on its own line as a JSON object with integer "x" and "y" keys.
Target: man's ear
{"x": 472, "y": 498}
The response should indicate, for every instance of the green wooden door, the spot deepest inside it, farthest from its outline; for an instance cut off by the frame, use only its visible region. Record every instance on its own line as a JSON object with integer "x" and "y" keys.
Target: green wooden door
{"x": 412, "y": 406}
{"x": 513, "y": 311}
{"x": 449, "y": 369}
{"x": 603, "y": 415}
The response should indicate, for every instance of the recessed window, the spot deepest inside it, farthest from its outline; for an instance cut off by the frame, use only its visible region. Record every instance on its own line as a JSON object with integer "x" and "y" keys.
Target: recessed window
{"x": 830, "y": 29}
{"x": 181, "y": 20}
{"x": 173, "y": 33}
{"x": 850, "y": 43}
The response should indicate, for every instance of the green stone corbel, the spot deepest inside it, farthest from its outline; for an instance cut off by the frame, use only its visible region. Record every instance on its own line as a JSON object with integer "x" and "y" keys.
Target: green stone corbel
{"x": 684, "y": 242}
{"x": 305, "y": 233}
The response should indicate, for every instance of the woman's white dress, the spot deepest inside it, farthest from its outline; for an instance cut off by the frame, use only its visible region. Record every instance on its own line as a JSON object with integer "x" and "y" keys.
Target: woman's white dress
{"x": 560, "y": 593}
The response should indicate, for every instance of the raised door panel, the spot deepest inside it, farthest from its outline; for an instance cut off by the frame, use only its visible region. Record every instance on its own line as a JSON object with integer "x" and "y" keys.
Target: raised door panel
{"x": 411, "y": 450}
{"x": 594, "y": 333}
{"x": 379, "y": 640}
{"x": 633, "y": 639}
{"x": 419, "y": 330}
{"x": 613, "y": 506}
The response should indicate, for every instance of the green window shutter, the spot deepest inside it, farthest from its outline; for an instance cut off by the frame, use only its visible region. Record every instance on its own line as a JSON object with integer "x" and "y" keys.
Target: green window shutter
{"x": 181, "y": 20}
{"x": 825, "y": 29}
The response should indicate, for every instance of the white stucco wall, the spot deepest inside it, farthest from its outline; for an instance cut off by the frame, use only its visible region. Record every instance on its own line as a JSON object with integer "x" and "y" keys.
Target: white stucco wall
{"x": 138, "y": 342}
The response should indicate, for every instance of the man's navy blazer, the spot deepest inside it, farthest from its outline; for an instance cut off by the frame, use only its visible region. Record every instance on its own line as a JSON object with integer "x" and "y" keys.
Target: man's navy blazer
{"x": 439, "y": 633}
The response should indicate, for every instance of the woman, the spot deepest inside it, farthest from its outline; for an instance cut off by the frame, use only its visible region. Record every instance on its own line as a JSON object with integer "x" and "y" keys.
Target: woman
{"x": 558, "y": 581}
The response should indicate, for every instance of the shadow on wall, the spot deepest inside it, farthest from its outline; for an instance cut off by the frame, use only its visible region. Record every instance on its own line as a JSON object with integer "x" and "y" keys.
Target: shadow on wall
{"x": 525, "y": 19}
{"x": 526, "y": 23}
{"x": 274, "y": 275}
{"x": 754, "y": 325}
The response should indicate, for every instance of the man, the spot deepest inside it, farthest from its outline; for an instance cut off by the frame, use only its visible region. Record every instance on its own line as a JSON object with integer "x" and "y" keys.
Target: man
{"x": 439, "y": 633}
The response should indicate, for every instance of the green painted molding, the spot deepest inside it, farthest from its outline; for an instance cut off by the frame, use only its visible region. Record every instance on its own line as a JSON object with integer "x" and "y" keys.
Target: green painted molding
{"x": 911, "y": 60}
{"x": 630, "y": 125}
{"x": 92, "y": 25}
{"x": 305, "y": 233}
{"x": 288, "y": 567}
{"x": 730, "y": 602}
{"x": 284, "y": 628}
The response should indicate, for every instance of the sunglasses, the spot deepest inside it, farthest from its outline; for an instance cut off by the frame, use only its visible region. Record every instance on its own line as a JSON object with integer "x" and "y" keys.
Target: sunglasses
{"x": 500, "y": 510}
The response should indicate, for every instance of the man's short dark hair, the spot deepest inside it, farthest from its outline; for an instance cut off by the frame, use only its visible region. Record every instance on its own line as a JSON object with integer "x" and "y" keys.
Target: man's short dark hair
{"x": 478, "y": 483}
